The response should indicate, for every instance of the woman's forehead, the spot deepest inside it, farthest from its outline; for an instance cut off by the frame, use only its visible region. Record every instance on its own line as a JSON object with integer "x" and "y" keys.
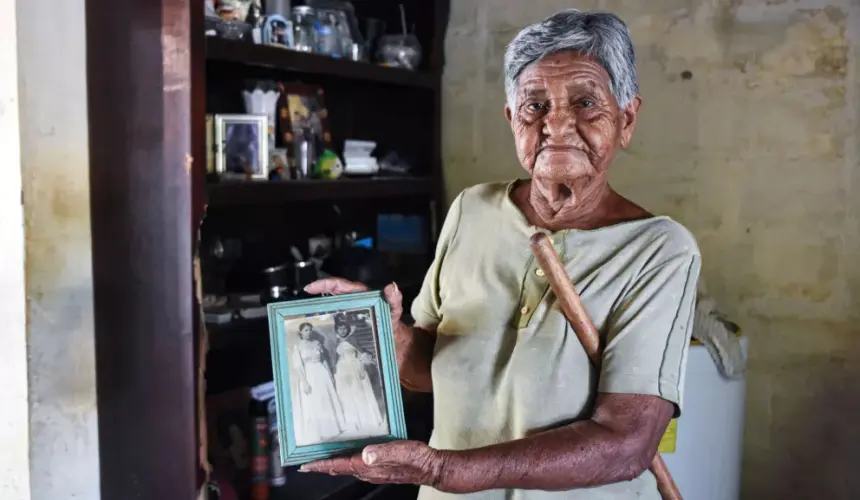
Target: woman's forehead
{"x": 565, "y": 68}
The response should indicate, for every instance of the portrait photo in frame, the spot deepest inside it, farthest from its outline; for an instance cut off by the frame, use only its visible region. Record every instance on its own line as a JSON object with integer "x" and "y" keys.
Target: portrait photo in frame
{"x": 302, "y": 114}
{"x": 336, "y": 380}
{"x": 242, "y": 147}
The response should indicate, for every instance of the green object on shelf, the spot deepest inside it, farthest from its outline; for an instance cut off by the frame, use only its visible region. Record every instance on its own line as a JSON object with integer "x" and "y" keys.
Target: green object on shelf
{"x": 328, "y": 166}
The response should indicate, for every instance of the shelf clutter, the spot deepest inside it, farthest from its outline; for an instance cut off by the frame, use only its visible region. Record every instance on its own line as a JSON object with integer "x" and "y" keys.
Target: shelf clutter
{"x": 323, "y": 158}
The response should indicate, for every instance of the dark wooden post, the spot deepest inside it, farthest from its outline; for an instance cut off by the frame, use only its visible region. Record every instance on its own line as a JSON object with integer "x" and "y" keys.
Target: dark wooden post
{"x": 139, "y": 72}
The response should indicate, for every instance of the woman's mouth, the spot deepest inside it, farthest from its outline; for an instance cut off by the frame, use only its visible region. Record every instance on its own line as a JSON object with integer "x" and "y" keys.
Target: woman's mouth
{"x": 560, "y": 148}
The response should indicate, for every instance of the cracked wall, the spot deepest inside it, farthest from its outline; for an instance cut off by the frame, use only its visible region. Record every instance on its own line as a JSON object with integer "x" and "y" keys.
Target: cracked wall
{"x": 756, "y": 152}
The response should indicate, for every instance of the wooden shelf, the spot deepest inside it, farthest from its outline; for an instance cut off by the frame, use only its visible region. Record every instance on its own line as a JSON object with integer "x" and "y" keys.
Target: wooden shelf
{"x": 249, "y": 54}
{"x": 279, "y": 192}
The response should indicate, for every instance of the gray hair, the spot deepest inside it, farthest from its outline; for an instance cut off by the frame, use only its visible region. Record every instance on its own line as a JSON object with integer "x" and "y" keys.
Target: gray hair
{"x": 601, "y": 35}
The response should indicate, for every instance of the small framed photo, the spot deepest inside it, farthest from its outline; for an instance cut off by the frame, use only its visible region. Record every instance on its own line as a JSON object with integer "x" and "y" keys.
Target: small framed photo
{"x": 242, "y": 145}
{"x": 336, "y": 381}
{"x": 279, "y": 166}
{"x": 303, "y": 116}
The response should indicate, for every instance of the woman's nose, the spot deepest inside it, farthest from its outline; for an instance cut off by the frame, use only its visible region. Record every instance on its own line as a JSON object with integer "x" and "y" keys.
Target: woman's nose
{"x": 559, "y": 121}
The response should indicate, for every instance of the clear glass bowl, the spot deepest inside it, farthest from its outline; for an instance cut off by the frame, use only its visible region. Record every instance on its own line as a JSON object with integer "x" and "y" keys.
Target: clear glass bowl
{"x": 399, "y": 51}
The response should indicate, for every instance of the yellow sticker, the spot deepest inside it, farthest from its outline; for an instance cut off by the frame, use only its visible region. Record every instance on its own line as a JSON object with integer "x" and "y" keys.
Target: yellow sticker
{"x": 667, "y": 443}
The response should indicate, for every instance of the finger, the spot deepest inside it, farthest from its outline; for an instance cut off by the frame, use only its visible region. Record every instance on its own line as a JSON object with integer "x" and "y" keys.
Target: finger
{"x": 388, "y": 454}
{"x": 335, "y": 286}
{"x": 395, "y": 301}
{"x": 334, "y": 466}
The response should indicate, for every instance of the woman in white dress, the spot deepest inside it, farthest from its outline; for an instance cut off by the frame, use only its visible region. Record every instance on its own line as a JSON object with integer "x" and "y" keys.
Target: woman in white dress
{"x": 317, "y": 412}
{"x": 356, "y": 392}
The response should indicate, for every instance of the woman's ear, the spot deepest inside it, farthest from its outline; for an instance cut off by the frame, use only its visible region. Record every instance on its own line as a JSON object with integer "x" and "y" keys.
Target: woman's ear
{"x": 629, "y": 115}
{"x": 508, "y": 113}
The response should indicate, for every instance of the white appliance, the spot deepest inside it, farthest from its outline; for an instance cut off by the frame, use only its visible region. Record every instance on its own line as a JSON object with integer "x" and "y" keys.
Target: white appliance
{"x": 706, "y": 463}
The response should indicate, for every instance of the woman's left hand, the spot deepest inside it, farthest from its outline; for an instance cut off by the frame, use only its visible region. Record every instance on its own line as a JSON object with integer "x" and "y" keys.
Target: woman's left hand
{"x": 400, "y": 462}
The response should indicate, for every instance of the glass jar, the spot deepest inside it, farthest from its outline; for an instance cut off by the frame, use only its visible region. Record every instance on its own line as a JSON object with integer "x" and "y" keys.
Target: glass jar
{"x": 329, "y": 41}
{"x": 305, "y": 25}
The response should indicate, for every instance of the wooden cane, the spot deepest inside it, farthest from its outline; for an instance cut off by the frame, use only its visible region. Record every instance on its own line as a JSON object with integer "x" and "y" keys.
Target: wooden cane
{"x": 577, "y": 316}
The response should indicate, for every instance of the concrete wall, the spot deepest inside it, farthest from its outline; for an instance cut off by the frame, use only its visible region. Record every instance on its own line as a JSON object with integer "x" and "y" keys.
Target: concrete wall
{"x": 14, "y": 414}
{"x": 55, "y": 177}
{"x": 757, "y": 154}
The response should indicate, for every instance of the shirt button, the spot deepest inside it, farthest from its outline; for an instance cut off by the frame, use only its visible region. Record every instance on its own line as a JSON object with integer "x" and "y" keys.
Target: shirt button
{"x": 540, "y": 273}
{"x": 524, "y": 310}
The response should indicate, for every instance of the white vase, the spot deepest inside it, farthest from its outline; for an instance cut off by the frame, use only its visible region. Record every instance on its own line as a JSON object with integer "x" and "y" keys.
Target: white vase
{"x": 260, "y": 102}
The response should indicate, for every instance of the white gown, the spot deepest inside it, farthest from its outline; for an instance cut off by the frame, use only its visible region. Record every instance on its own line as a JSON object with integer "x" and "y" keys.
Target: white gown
{"x": 360, "y": 405}
{"x": 317, "y": 415}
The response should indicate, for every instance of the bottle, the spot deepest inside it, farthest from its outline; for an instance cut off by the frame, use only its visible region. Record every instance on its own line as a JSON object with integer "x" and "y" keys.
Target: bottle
{"x": 259, "y": 451}
{"x": 276, "y": 477}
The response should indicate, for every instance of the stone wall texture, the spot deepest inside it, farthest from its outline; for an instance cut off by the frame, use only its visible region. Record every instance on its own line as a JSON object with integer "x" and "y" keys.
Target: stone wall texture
{"x": 757, "y": 154}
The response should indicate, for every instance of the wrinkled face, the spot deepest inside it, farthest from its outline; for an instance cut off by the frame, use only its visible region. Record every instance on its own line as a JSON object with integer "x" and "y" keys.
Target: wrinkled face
{"x": 567, "y": 127}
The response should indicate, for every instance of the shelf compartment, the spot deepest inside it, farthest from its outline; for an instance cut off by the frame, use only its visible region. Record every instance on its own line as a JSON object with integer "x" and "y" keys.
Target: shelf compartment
{"x": 278, "y": 192}
{"x": 249, "y": 54}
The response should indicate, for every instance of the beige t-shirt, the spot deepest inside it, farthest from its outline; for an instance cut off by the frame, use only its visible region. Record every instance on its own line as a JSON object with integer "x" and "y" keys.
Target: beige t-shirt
{"x": 507, "y": 363}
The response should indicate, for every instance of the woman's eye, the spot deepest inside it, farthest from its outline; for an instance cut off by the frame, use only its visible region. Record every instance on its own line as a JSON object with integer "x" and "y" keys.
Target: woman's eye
{"x": 535, "y": 106}
{"x": 585, "y": 103}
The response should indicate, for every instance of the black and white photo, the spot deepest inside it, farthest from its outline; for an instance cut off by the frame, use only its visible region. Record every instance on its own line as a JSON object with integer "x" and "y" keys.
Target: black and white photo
{"x": 335, "y": 375}
{"x": 336, "y": 382}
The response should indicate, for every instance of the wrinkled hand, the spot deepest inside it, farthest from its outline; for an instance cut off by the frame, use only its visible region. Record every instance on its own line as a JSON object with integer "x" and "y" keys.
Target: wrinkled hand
{"x": 399, "y": 462}
{"x": 340, "y": 286}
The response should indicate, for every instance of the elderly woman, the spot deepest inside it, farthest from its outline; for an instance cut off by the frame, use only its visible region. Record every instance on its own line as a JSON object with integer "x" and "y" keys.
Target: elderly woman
{"x": 519, "y": 410}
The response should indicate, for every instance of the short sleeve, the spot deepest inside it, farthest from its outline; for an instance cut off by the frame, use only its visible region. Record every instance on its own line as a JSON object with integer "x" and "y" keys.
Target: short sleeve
{"x": 648, "y": 334}
{"x": 425, "y": 307}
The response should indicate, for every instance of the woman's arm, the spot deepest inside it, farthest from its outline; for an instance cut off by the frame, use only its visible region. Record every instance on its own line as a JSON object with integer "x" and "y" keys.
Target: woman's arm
{"x": 616, "y": 444}
{"x": 414, "y": 348}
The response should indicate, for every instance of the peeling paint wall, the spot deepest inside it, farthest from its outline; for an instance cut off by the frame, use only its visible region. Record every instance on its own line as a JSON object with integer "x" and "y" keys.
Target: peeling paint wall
{"x": 55, "y": 173}
{"x": 757, "y": 154}
{"x": 14, "y": 412}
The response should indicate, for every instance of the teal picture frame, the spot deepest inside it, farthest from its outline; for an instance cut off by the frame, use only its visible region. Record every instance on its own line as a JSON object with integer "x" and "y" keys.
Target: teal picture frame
{"x": 282, "y": 313}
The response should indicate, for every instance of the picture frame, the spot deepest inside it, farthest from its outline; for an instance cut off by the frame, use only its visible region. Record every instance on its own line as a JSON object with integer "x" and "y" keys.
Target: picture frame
{"x": 337, "y": 385}
{"x": 279, "y": 165}
{"x": 242, "y": 147}
{"x": 210, "y": 143}
{"x": 302, "y": 112}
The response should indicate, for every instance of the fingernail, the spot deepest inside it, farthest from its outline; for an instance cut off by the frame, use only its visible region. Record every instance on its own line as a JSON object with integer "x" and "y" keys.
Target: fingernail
{"x": 396, "y": 288}
{"x": 306, "y": 288}
{"x": 302, "y": 469}
{"x": 369, "y": 457}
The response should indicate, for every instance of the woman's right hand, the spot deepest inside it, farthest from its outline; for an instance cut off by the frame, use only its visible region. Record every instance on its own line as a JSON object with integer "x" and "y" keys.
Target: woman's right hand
{"x": 340, "y": 286}
{"x": 306, "y": 388}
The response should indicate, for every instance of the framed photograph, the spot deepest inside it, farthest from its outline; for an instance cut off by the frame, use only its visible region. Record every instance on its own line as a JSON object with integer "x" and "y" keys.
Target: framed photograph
{"x": 279, "y": 167}
{"x": 242, "y": 145}
{"x": 303, "y": 116}
{"x": 336, "y": 380}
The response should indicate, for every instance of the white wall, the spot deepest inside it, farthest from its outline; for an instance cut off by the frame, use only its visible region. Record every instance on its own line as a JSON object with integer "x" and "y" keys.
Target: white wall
{"x": 14, "y": 470}
{"x": 55, "y": 173}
